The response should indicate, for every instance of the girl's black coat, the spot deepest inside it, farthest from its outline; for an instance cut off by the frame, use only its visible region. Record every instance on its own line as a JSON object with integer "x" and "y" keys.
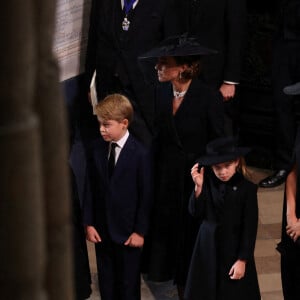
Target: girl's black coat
{"x": 227, "y": 233}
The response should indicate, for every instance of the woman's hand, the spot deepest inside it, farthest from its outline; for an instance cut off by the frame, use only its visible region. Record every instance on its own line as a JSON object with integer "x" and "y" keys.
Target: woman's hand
{"x": 293, "y": 230}
{"x": 237, "y": 271}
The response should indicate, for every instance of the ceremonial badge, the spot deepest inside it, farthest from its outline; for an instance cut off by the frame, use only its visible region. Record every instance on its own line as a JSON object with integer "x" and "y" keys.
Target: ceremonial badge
{"x": 125, "y": 24}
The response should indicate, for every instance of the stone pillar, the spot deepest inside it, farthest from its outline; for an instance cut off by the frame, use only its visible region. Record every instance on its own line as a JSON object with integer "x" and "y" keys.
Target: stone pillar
{"x": 22, "y": 231}
{"x": 52, "y": 111}
{"x": 35, "y": 235}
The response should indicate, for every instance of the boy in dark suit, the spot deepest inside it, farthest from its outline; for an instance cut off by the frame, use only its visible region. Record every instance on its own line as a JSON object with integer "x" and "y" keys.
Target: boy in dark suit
{"x": 117, "y": 207}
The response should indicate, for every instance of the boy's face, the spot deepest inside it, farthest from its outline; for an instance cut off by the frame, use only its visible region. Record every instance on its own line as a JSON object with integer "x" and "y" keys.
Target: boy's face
{"x": 112, "y": 130}
{"x": 224, "y": 171}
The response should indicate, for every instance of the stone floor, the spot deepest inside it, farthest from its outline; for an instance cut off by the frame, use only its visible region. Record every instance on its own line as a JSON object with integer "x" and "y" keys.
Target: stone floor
{"x": 266, "y": 256}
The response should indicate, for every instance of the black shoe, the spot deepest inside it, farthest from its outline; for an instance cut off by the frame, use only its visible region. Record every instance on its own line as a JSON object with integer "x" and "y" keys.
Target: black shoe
{"x": 276, "y": 179}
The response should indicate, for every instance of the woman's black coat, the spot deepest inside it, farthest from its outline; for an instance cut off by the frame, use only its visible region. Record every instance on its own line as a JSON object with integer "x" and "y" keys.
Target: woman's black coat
{"x": 227, "y": 233}
{"x": 290, "y": 250}
{"x": 179, "y": 141}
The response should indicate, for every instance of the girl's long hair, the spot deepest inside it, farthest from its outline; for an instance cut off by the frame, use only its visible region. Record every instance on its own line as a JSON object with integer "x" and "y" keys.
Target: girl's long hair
{"x": 242, "y": 168}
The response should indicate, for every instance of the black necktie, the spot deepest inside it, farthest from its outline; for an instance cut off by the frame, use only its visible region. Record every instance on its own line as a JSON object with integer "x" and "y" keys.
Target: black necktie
{"x": 111, "y": 159}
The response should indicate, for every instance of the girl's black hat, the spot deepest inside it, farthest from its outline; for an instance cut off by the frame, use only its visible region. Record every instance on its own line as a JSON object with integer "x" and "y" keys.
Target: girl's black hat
{"x": 222, "y": 150}
{"x": 180, "y": 45}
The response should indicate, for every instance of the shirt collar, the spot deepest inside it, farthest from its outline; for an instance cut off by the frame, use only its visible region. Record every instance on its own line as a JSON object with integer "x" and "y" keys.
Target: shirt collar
{"x": 121, "y": 142}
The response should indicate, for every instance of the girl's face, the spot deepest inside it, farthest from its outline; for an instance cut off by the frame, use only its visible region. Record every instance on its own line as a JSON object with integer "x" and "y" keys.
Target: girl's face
{"x": 224, "y": 171}
{"x": 167, "y": 69}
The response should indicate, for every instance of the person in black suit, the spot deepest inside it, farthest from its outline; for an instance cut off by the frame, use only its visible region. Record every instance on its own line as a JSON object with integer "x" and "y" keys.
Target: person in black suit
{"x": 118, "y": 200}
{"x": 188, "y": 115}
{"x": 113, "y": 49}
{"x": 289, "y": 246}
{"x": 285, "y": 71}
{"x": 220, "y": 25}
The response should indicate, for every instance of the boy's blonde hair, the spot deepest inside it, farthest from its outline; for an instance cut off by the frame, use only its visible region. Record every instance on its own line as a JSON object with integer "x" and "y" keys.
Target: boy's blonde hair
{"x": 115, "y": 107}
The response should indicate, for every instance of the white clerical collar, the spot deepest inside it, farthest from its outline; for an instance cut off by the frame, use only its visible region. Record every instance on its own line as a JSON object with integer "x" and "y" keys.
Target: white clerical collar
{"x": 133, "y": 6}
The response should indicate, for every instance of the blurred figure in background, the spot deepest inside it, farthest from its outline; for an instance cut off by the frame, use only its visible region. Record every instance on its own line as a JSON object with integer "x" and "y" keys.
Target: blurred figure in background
{"x": 285, "y": 71}
{"x": 220, "y": 25}
{"x": 289, "y": 247}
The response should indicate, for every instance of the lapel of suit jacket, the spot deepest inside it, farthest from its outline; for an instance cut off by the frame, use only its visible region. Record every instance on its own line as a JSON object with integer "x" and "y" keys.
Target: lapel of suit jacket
{"x": 137, "y": 16}
{"x": 110, "y": 10}
{"x": 188, "y": 99}
{"x": 168, "y": 120}
{"x": 125, "y": 155}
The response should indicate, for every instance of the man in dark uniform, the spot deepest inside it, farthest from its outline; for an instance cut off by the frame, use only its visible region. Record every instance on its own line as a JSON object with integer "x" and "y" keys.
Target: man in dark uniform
{"x": 219, "y": 25}
{"x": 121, "y": 30}
{"x": 285, "y": 71}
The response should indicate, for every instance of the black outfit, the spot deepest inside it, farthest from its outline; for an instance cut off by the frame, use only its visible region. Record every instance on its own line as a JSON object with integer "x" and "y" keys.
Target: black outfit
{"x": 113, "y": 52}
{"x": 285, "y": 71}
{"x": 82, "y": 276}
{"x": 290, "y": 251}
{"x": 220, "y": 25}
{"x": 180, "y": 139}
{"x": 229, "y": 215}
{"x": 117, "y": 206}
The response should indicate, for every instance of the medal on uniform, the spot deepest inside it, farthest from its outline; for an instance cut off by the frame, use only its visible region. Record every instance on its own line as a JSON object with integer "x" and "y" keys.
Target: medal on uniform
{"x": 128, "y": 5}
{"x": 125, "y": 24}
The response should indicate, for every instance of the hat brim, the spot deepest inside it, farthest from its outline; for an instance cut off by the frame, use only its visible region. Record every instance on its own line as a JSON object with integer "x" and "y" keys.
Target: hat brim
{"x": 178, "y": 46}
{"x": 214, "y": 159}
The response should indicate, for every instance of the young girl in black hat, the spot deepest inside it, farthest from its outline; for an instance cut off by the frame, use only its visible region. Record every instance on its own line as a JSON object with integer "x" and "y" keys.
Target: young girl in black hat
{"x": 222, "y": 266}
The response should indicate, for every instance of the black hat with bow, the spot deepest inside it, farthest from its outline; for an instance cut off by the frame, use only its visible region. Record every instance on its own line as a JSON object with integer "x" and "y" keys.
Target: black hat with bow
{"x": 181, "y": 45}
{"x": 222, "y": 150}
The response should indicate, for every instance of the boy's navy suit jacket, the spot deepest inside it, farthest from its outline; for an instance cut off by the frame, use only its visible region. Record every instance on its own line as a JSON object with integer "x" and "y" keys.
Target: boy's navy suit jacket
{"x": 121, "y": 205}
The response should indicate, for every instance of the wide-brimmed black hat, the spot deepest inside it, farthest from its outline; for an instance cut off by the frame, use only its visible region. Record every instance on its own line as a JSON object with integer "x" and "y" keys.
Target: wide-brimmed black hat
{"x": 180, "y": 45}
{"x": 293, "y": 89}
{"x": 222, "y": 150}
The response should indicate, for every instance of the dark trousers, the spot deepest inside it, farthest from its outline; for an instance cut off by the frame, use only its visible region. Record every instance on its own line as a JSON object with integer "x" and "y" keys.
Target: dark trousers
{"x": 118, "y": 271}
{"x": 290, "y": 273}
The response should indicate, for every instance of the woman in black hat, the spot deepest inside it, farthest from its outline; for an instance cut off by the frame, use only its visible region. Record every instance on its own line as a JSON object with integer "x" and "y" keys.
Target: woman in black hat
{"x": 188, "y": 115}
{"x": 222, "y": 266}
